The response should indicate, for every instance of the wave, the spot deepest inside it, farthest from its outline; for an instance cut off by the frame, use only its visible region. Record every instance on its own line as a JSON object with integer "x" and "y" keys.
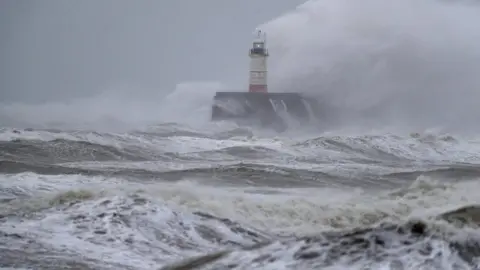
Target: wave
{"x": 385, "y": 146}
{"x": 414, "y": 244}
{"x": 458, "y": 172}
{"x": 141, "y": 231}
{"x": 237, "y": 174}
{"x": 398, "y": 149}
{"x": 129, "y": 226}
{"x": 241, "y": 174}
{"x": 61, "y": 150}
{"x": 235, "y": 156}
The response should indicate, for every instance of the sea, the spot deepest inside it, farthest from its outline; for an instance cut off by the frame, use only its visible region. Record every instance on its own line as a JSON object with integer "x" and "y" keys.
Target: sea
{"x": 127, "y": 182}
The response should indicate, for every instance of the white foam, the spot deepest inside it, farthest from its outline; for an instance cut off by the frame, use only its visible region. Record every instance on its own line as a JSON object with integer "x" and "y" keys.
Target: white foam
{"x": 285, "y": 211}
{"x": 32, "y": 184}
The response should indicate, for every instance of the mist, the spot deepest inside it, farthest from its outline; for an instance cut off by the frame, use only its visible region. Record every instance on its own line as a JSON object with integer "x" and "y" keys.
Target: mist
{"x": 404, "y": 63}
{"x": 401, "y": 63}
{"x": 81, "y": 61}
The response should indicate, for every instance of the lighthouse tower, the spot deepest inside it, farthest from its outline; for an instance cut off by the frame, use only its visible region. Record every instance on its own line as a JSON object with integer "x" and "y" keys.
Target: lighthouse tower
{"x": 258, "y": 65}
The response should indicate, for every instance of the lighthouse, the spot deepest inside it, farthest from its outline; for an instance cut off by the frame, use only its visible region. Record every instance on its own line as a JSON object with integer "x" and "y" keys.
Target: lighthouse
{"x": 258, "y": 105}
{"x": 258, "y": 64}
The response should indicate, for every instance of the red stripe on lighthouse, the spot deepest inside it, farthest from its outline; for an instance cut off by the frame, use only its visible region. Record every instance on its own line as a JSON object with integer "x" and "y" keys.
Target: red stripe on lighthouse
{"x": 257, "y": 88}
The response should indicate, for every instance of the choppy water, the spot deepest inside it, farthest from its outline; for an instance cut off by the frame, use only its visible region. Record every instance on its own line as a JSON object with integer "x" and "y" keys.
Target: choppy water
{"x": 200, "y": 196}
{"x": 177, "y": 198}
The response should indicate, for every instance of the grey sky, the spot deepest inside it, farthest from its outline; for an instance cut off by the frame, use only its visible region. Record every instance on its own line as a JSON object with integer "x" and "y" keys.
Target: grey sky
{"x": 55, "y": 49}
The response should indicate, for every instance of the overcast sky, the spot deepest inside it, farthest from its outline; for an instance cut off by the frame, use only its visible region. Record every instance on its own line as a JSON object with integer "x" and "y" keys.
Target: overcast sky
{"x": 56, "y": 49}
